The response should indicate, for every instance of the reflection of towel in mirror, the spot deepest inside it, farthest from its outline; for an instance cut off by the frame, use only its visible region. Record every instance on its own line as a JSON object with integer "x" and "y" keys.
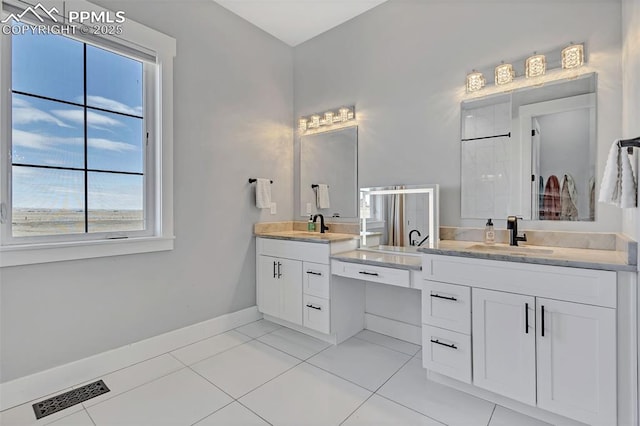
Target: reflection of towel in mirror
{"x": 619, "y": 186}
{"x": 263, "y": 193}
{"x": 592, "y": 198}
{"x": 322, "y": 196}
{"x": 541, "y": 197}
{"x": 568, "y": 199}
{"x": 551, "y": 208}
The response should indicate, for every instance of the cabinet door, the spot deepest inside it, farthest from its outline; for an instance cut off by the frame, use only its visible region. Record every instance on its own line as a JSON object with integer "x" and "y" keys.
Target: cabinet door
{"x": 289, "y": 273}
{"x": 268, "y": 286}
{"x": 576, "y": 351}
{"x": 504, "y": 342}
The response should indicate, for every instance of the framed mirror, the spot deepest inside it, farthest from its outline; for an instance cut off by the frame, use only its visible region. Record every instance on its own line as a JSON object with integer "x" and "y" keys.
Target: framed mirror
{"x": 531, "y": 153}
{"x": 329, "y": 173}
{"x": 402, "y": 216}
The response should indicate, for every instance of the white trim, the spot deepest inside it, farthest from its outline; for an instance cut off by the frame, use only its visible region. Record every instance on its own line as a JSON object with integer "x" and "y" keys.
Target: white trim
{"x": 28, "y": 388}
{"x": 400, "y": 330}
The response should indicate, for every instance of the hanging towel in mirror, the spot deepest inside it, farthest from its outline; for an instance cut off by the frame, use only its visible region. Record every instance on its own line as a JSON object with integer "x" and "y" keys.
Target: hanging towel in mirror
{"x": 568, "y": 199}
{"x": 322, "y": 196}
{"x": 592, "y": 198}
{"x": 551, "y": 208}
{"x": 619, "y": 186}
{"x": 263, "y": 193}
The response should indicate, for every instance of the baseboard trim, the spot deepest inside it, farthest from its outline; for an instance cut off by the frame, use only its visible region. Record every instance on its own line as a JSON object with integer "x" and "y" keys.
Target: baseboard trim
{"x": 394, "y": 328}
{"x": 43, "y": 383}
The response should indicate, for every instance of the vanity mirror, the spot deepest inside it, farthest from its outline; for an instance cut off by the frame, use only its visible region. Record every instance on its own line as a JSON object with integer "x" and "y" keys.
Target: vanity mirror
{"x": 331, "y": 159}
{"x": 531, "y": 152}
{"x": 403, "y": 217}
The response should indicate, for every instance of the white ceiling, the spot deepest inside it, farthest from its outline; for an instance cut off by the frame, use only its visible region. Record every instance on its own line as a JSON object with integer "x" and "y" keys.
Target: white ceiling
{"x": 296, "y": 21}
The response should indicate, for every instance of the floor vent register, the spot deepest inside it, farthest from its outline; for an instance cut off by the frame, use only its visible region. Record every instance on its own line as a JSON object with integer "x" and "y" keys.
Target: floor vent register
{"x": 68, "y": 399}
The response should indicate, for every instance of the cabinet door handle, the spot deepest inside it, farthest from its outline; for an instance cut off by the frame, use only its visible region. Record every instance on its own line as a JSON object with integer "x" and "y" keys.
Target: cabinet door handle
{"x": 542, "y": 320}
{"x": 526, "y": 318}
{"x": 317, "y": 308}
{"x": 453, "y": 299}
{"x": 279, "y": 272}
{"x": 437, "y": 342}
{"x": 314, "y": 273}
{"x": 375, "y": 274}
{"x": 274, "y": 269}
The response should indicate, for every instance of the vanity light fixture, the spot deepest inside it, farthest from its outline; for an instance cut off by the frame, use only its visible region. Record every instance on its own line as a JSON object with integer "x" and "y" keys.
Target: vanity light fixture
{"x": 327, "y": 120}
{"x": 535, "y": 65}
{"x": 475, "y": 81}
{"x": 573, "y": 56}
{"x": 504, "y": 74}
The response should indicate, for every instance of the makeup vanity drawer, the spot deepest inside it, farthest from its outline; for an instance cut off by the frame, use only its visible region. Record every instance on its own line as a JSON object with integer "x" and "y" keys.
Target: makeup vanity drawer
{"x": 447, "y": 306}
{"x": 446, "y": 352}
{"x": 376, "y": 274}
{"x": 315, "y": 279}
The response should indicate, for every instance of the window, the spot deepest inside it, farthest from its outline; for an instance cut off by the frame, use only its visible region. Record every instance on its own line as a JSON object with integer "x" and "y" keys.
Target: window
{"x": 86, "y": 148}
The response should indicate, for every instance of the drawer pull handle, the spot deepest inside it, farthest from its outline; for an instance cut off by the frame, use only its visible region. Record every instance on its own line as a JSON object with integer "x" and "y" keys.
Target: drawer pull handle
{"x": 375, "y": 274}
{"x": 317, "y": 308}
{"x": 437, "y": 342}
{"x": 314, "y": 273}
{"x": 526, "y": 318}
{"x": 453, "y": 299}
{"x": 542, "y": 320}
{"x": 274, "y": 270}
{"x": 279, "y": 272}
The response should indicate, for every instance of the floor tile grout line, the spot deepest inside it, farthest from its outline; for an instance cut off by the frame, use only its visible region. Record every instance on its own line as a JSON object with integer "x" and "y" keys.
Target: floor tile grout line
{"x": 384, "y": 346}
{"x": 211, "y": 356}
{"x": 492, "y": 412}
{"x": 212, "y": 413}
{"x": 409, "y": 408}
{"x": 268, "y": 422}
{"x": 290, "y": 354}
{"x": 91, "y": 418}
{"x": 213, "y": 384}
{"x": 339, "y": 377}
{"x": 58, "y": 418}
{"x": 270, "y": 380}
{"x": 357, "y": 408}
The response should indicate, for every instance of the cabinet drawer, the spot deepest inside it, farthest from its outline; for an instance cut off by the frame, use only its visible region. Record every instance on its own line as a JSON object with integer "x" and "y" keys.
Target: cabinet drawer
{"x": 376, "y": 274}
{"x": 315, "y": 279}
{"x": 297, "y": 250}
{"x": 316, "y": 313}
{"x": 446, "y": 352}
{"x": 588, "y": 286}
{"x": 447, "y": 306}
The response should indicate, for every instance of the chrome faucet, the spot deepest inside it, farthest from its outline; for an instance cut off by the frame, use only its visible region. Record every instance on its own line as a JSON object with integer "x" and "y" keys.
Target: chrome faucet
{"x": 322, "y": 227}
{"x": 413, "y": 242}
{"x": 512, "y": 226}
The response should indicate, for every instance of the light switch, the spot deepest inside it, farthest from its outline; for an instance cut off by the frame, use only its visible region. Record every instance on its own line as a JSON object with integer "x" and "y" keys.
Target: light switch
{"x": 274, "y": 208}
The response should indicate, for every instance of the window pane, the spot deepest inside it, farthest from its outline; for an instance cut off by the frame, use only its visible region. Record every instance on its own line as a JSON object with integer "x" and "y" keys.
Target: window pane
{"x": 114, "y": 82}
{"x": 115, "y": 202}
{"x": 47, "y": 133}
{"x": 115, "y": 142}
{"x": 48, "y": 65}
{"x": 47, "y": 202}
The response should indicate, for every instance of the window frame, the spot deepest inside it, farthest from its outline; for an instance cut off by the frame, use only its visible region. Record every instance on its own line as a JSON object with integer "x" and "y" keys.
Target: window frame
{"x": 158, "y": 156}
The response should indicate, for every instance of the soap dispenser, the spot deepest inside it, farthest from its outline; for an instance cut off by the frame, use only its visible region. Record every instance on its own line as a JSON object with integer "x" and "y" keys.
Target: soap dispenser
{"x": 311, "y": 226}
{"x": 489, "y": 233}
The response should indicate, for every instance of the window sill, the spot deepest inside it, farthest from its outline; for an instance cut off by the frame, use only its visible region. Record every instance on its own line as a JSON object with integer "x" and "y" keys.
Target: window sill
{"x": 58, "y": 252}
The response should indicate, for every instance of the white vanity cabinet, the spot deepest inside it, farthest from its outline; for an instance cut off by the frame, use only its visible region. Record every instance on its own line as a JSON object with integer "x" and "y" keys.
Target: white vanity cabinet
{"x": 541, "y": 335}
{"x": 279, "y": 289}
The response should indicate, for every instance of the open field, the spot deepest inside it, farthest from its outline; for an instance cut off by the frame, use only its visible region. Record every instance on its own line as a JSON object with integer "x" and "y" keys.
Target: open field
{"x": 34, "y": 222}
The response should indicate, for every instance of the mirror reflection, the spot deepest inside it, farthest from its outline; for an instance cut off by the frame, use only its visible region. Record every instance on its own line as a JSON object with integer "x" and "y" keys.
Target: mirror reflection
{"x": 399, "y": 216}
{"x": 531, "y": 153}
{"x": 329, "y": 173}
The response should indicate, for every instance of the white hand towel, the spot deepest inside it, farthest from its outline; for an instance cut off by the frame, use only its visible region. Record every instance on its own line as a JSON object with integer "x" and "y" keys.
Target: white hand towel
{"x": 322, "y": 196}
{"x": 263, "y": 193}
{"x": 619, "y": 186}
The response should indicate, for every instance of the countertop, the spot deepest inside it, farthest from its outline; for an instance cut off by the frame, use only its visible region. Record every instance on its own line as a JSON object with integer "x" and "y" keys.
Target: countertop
{"x": 609, "y": 260}
{"x": 380, "y": 258}
{"x": 307, "y": 236}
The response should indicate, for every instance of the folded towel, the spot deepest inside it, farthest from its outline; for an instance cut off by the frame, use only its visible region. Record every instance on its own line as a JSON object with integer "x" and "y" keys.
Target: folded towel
{"x": 568, "y": 199}
{"x": 619, "y": 186}
{"x": 263, "y": 193}
{"x": 322, "y": 196}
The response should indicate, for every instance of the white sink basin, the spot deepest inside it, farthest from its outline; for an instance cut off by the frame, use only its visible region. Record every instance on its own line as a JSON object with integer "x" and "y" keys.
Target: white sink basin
{"x": 520, "y": 250}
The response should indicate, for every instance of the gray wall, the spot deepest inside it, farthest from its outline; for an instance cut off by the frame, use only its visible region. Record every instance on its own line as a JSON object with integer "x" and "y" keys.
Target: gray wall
{"x": 631, "y": 93}
{"x": 233, "y": 117}
{"x": 403, "y": 64}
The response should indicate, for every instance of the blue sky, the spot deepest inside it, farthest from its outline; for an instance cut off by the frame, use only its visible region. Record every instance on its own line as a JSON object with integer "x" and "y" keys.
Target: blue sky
{"x": 52, "y": 133}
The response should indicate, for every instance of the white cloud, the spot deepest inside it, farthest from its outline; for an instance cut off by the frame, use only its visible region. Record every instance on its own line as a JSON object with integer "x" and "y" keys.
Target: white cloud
{"x": 27, "y": 114}
{"x": 93, "y": 118}
{"x": 44, "y": 142}
{"x": 112, "y": 105}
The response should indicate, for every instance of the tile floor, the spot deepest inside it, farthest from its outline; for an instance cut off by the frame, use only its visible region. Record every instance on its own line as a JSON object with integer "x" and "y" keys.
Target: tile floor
{"x": 262, "y": 374}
